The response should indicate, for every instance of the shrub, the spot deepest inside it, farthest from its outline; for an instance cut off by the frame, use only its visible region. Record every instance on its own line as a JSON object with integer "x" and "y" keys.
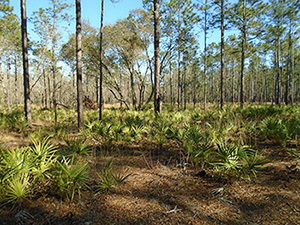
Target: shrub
{"x": 108, "y": 178}
{"x": 237, "y": 161}
{"x": 274, "y": 129}
{"x": 71, "y": 176}
{"x": 78, "y": 146}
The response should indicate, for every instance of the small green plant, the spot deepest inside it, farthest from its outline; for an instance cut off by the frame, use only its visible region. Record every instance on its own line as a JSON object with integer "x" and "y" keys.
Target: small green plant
{"x": 117, "y": 132}
{"x": 99, "y": 128}
{"x": 108, "y": 178}
{"x": 237, "y": 161}
{"x": 17, "y": 189}
{"x": 258, "y": 113}
{"x": 15, "y": 175}
{"x": 23, "y": 170}
{"x": 229, "y": 156}
{"x": 252, "y": 162}
{"x": 160, "y": 131}
{"x": 15, "y": 160}
{"x": 78, "y": 146}
{"x": 293, "y": 127}
{"x": 71, "y": 176}
{"x": 14, "y": 120}
{"x": 43, "y": 158}
{"x": 201, "y": 153}
{"x": 274, "y": 129}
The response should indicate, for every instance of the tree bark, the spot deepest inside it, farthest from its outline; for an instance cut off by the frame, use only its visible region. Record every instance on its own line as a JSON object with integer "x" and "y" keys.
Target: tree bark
{"x": 184, "y": 89}
{"x": 277, "y": 74}
{"x": 222, "y": 55}
{"x": 8, "y": 92}
{"x": 101, "y": 66}
{"x": 79, "y": 65}
{"x": 16, "y": 79}
{"x": 171, "y": 84}
{"x": 157, "y": 105}
{"x": 27, "y": 104}
{"x": 232, "y": 81}
{"x": 243, "y": 55}
{"x": 205, "y": 55}
{"x": 288, "y": 91}
{"x": 54, "y": 63}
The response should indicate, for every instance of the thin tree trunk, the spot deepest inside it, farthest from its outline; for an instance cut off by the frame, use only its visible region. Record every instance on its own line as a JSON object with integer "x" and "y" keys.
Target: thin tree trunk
{"x": 1, "y": 77}
{"x": 222, "y": 55}
{"x": 171, "y": 84}
{"x": 132, "y": 87}
{"x": 292, "y": 69}
{"x": 157, "y": 98}
{"x": 54, "y": 63}
{"x": 121, "y": 102}
{"x": 79, "y": 65}
{"x": 45, "y": 88}
{"x": 179, "y": 88}
{"x": 178, "y": 80}
{"x": 184, "y": 90}
{"x": 288, "y": 92}
{"x": 205, "y": 54}
{"x": 97, "y": 89}
{"x": 232, "y": 81}
{"x": 194, "y": 86}
{"x": 277, "y": 75}
{"x": 49, "y": 90}
{"x": 87, "y": 85}
{"x": 16, "y": 79}
{"x": 243, "y": 55}
{"x": 27, "y": 105}
{"x": 8, "y": 88}
{"x": 101, "y": 66}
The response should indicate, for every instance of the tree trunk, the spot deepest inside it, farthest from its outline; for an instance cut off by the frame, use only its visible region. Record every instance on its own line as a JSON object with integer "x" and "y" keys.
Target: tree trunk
{"x": 179, "y": 85}
{"x": 243, "y": 55}
{"x": 101, "y": 66}
{"x": 205, "y": 55}
{"x": 222, "y": 55}
{"x": 45, "y": 88}
{"x": 79, "y": 65}
{"x": 16, "y": 80}
{"x": 97, "y": 89}
{"x": 194, "y": 87}
{"x": 27, "y": 105}
{"x": 49, "y": 90}
{"x": 157, "y": 105}
{"x": 1, "y": 77}
{"x": 277, "y": 75}
{"x": 178, "y": 80}
{"x": 171, "y": 84}
{"x": 121, "y": 102}
{"x": 54, "y": 63}
{"x": 288, "y": 92}
{"x": 292, "y": 69}
{"x": 184, "y": 89}
{"x": 8, "y": 92}
{"x": 232, "y": 81}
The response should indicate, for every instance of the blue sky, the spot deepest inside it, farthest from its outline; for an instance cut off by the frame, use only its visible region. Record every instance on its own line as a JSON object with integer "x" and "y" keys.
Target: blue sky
{"x": 90, "y": 9}
{"x": 91, "y": 12}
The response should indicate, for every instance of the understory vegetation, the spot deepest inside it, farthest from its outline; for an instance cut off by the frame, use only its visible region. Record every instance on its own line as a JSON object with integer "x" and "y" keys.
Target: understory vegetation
{"x": 58, "y": 160}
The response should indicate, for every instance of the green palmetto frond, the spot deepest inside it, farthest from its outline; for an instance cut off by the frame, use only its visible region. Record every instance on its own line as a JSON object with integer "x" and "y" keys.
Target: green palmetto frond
{"x": 71, "y": 176}
{"x": 17, "y": 188}
{"x": 43, "y": 155}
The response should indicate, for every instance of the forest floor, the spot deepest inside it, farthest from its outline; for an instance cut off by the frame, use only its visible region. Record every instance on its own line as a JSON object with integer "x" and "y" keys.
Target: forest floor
{"x": 161, "y": 191}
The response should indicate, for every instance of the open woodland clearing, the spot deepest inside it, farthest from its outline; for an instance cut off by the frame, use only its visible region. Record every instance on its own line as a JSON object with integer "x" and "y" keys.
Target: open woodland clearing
{"x": 187, "y": 167}
{"x": 142, "y": 121}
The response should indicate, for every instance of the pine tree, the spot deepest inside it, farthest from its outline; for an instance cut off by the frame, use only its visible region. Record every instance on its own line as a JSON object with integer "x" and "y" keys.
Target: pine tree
{"x": 27, "y": 104}
{"x": 79, "y": 65}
